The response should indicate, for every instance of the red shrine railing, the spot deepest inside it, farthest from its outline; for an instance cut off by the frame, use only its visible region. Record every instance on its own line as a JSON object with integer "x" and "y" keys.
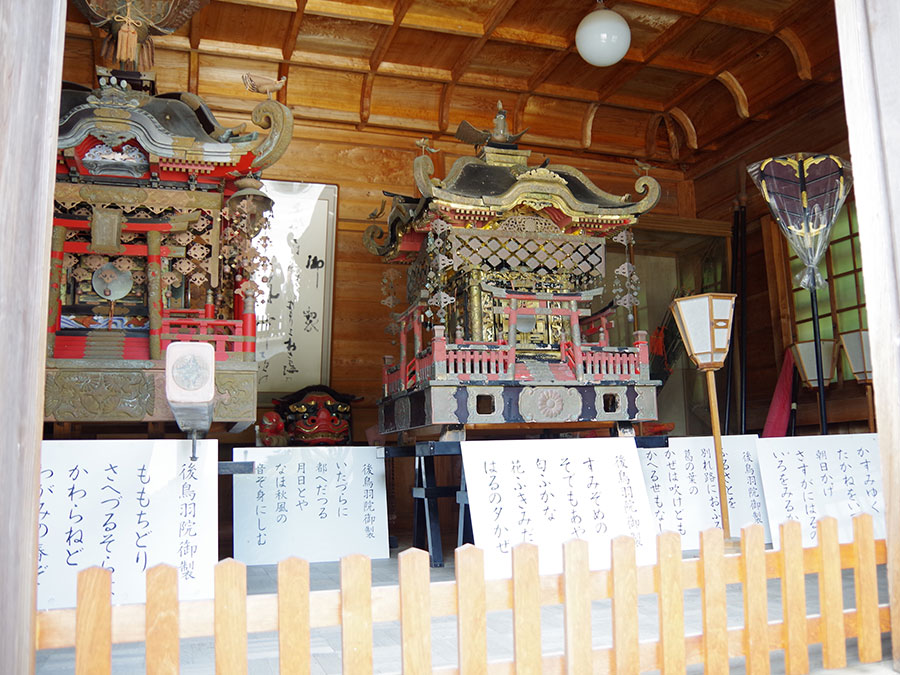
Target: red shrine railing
{"x": 470, "y": 361}
{"x": 494, "y": 362}
{"x": 232, "y": 338}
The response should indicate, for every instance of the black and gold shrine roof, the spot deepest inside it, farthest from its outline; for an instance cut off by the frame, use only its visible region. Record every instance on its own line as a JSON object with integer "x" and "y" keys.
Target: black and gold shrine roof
{"x": 481, "y": 192}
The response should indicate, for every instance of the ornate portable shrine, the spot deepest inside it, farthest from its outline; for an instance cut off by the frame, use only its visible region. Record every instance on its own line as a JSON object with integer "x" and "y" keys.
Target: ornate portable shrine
{"x": 505, "y": 261}
{"x": 155, "y": 207}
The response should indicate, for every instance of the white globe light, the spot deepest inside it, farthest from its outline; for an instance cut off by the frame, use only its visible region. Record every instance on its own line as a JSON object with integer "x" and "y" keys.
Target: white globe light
{"x": 603, "y": 37}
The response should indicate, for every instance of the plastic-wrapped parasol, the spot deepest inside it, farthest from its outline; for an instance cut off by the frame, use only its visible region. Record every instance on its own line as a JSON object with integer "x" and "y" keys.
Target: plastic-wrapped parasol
{"x": 805, "y": 192}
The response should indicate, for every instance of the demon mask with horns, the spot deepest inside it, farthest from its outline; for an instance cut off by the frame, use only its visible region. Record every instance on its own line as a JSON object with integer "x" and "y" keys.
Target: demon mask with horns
{"x": 316, "y": 415}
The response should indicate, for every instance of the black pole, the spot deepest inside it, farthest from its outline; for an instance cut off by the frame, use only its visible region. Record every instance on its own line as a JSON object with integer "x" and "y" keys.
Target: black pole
{"x": 823, "y": 414}
{"x": 726, "y": 427}
{"x": 743, "y": 299}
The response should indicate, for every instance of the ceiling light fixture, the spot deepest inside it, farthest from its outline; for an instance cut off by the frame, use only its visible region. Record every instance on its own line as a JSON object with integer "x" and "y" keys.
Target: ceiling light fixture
{"x": 603, "y": 36}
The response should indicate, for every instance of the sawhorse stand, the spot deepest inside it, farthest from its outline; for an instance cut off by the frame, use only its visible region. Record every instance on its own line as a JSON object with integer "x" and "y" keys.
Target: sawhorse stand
{"x": 426, "y": 493}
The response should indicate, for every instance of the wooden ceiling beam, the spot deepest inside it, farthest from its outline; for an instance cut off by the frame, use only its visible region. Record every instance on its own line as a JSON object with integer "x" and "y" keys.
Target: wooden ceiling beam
{"x": 196, "y": 29}
{"x": 290, "y": 39}
{"x": 796, "y": 112}
{"x": 387, "y": 35}
{"x": 751, "y": 46}
{"x": 341, "y": 10}
{"x": 498, "y": 13}
{"x": 284, "y": 5}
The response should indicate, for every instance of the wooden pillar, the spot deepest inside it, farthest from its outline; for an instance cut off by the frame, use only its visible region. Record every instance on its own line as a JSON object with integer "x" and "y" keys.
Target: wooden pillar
{"x": 154, "y": 292}
{"x": 31, "y": 43}
{"x": 867, "y": 33}
{"x": 58, "y": 240}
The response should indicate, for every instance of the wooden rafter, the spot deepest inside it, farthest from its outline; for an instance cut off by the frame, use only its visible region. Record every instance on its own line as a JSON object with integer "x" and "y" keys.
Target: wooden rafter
{"x": 798, "y": 50}
{"x": 475, "y": 46}
{"x": 737, "y": 92}
{"x": 290, "y": 38}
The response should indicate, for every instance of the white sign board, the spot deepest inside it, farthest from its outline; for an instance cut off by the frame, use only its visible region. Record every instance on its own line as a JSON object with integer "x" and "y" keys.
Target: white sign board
{"x": 293, "y": 313}
{"x": 126, "y": 506}
{"x": 683, "y": 486}
{"x": 811, "y": 477}
{"x": 317, "y": 503}
{"x": 547, "y": 492}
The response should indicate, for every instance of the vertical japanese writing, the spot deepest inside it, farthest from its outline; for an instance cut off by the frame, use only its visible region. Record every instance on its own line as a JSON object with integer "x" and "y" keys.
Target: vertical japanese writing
{"x": 302, "y": 502}
{"x": 595, "y": 492}
{"x": 142, "y": 526}
{"x": 112, "y": 498}
{"x": 654, "y": 487}
{"x": 626, "y": 491}
{"x": 545, "y": 493}
{"x": 849, "y": 481}
{"x": 712, "y": 484}
{"x": 520, "y": 487}
{"x": 47, "y": 485}
{"x": 261, "y": 505}
{"x": 787, "y": 496}
{"x": 729, "y": 484}
{"x": 322, "y": 489}
{"x": 495, "y": 501}
{"x": 806, "y": 493}
{"x": 75, "y": 534}
{"x": 753, "y": 491}
{"x": 576, "y": 529}
{"x": 281, "y": 511}
{"x": 675, "y": 488}
{"x": 369, "y": 500}
{"x": 340, "y": 488}
{"x": 187, "y": 525}
{"x": 869, "y": 483}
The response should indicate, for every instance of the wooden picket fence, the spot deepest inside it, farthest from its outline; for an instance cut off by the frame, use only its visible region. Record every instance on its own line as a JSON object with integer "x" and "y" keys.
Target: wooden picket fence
{"x": 94, "y": 625}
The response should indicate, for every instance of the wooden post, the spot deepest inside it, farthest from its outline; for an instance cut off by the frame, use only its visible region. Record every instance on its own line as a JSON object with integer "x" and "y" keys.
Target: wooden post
{"x": 867, "y": 34}
{"x": 154, "y": 292}
{"x": 717, "y": 439}
{"x": 31, "y": 72}
{"x": 58, "y": 239}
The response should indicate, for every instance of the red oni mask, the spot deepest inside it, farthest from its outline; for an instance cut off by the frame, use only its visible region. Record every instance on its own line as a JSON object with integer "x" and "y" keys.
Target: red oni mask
{"x": 316, "y": 415}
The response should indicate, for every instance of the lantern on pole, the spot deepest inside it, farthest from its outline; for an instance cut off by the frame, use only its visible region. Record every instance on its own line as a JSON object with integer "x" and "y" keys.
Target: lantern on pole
{"x": 855, "y": 344}
{"x": 805, "y": 192}
{"x": 805, "y": 360}
{"x": 704, "y": 322}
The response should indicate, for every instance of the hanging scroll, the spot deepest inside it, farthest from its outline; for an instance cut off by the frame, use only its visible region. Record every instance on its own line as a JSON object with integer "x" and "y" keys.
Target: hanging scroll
{"x": 126, "y": 506}
{"x": 549, "y": 491}
{"x": 293, "y": 313}
{"x": 319, "y": 504}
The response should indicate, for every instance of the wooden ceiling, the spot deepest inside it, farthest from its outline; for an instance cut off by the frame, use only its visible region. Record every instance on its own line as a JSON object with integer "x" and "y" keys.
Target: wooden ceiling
{"x": 697, "y": 72}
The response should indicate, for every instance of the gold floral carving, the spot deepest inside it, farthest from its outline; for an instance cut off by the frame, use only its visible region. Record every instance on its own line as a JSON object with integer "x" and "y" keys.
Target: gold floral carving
{"x": 157, "y": 200}
{"x": 98, "y": 396}
{"x": 235, "y": 396}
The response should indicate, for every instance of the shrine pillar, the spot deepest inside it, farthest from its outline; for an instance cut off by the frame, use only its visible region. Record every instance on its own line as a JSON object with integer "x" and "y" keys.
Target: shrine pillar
{"x": 57, "y": 242}
{"x": 476, "y": 324}
{"x": 867, "y": 35}
{"x": 31, "y": 73}
{"x": 154, "y": 293}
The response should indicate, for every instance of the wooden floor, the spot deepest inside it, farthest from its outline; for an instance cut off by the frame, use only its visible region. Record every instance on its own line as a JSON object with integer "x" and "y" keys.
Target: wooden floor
{"x": 197, "y": 655}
